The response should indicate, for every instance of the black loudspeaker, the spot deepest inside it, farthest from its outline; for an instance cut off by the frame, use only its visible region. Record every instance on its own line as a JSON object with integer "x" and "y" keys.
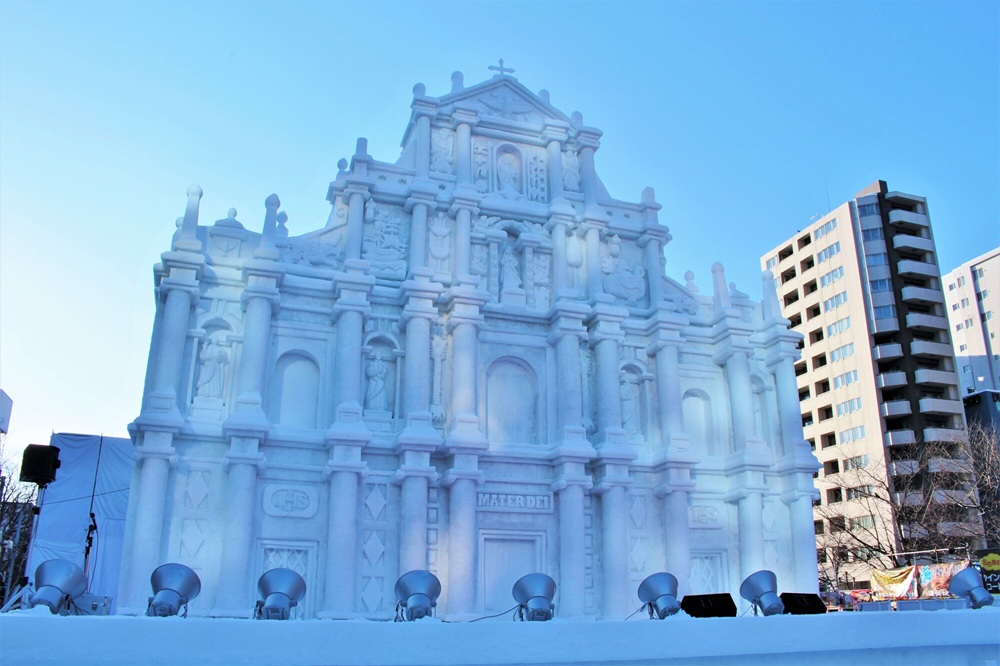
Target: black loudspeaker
{"x": 709, "y": 605}
{"x": 797, "y": 603}
{"x": 39, "y": 464}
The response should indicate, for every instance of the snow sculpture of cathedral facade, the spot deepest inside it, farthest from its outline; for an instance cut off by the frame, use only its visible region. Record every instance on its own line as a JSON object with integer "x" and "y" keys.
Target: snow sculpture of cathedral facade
{"x": 476, "y": 367}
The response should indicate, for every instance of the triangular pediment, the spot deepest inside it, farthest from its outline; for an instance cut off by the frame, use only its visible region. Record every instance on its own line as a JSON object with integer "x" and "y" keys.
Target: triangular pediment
{"x": 504, "y": 97}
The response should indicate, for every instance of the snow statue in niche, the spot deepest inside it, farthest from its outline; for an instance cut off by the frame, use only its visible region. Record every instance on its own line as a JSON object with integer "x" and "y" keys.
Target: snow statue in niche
{"x": 478, "y": 343}
{"x": 212, "y": 360}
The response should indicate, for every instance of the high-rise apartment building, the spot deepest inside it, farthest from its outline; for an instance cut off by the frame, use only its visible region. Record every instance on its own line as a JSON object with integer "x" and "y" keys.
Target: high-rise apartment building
{"x": 972, "y": 297}
{"x": 877, "y": 382}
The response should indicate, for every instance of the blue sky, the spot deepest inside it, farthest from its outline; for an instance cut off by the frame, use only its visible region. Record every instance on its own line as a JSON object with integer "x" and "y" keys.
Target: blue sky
{"x": 747, "y": 118}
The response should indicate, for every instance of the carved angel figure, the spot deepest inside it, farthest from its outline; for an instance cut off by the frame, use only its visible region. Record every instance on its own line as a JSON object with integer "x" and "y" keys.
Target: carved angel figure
{"x": 571, "y": 172}
{"x": 212, "y": 360}
{"x": 510, "y": 270}
{"x": 442, "y": 150}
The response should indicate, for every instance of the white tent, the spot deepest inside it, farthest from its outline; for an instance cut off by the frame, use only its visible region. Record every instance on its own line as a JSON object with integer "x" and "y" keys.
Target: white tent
{"x": 94, "y": 477}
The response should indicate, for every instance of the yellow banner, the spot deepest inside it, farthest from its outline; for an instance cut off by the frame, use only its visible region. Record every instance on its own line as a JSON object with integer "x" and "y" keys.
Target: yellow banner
{"x": 894, "y": 583}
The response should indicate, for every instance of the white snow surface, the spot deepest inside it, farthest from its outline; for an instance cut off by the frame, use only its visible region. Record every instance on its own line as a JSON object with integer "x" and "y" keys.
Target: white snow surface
{"x": 912, "y": 638}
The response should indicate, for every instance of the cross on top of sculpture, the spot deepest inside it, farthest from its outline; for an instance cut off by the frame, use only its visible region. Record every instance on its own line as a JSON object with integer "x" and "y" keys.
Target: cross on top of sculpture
{"x": 501, "y": 69}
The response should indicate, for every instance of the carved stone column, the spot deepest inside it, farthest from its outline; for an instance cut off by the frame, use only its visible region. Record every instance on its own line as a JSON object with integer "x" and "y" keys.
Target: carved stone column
{"x": 592, "y": 240}
{"x": 554, "y": 134}
{"x": 570, "y": 485}
{"x": 463, "y": 209}
{"x": 465, "y": 120}
{"x": 558, "y": 226}
{"x": 356, "y": 196}
{"x": 419, "y": 439}
{"x": 154, "y": 458}
{"x": 239, "y": 537}
{"x": 346, "y": 438}
{"x": 423, "y": 109}
{"x": 589, "y": 141}
{"x": 463, "y": 445}
{"x": 418, "y": 205}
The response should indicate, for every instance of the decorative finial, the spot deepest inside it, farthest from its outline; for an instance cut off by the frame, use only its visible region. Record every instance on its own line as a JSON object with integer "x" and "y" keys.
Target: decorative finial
{"x": 689, "y": 282}
{"x": 457, "y": 81}
{"x": 195, "y": 191}
{"x": 577, "y": 119}
{"x": 362, "y": 146}
{"x": 272, "y": 202}
{"x": 501, "y": 70}
{"x": 187, "y": 238}
{"x": 342, "y": 164}
{"x": 722, "y": 300}
{"x": 544, "y": 94}
{"x": 231, "y": 214}
{"x": 419, "y": 90}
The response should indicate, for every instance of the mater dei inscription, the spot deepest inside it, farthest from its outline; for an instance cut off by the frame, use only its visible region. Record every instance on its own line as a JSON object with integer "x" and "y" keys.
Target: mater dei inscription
{"x": 476, "y": 365}
{"x": 514, "y": 502}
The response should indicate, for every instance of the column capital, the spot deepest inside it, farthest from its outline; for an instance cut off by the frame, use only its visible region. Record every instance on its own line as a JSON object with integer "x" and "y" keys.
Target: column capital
{"x": 452, "y": 475}
{"x": 357, "y": 187}
{"x": 734, "y": 347}
{"x": 423, "y": 107}
{"x": 652, "y": 233}
{"x": 462, "y": 202}
{"x": 464, "y": 115}
{"x": 256, "y": 460}
{"x": 146, "y": 452}
{"x": 168, "y": 285}
{"x": 559, "y": 216}
{"x": 567, "y": 319}
{"x": 594, "y": 219}
{"x": 528, "y": 239}
{"x": 348, "y": 433}
{"x": 565, "y": 481}
{"x": 333, "y": 466}
{"x": 419, "y": 197}
{"x": 589, "y": 137}
{"x": 554, "y": 130}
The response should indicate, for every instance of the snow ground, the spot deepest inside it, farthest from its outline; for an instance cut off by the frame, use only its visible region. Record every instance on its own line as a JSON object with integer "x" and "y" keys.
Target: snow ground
{"x": 913, "y": 638}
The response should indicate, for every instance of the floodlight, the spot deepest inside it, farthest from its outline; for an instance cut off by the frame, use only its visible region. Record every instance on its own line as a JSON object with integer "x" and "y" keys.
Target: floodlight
{"x": 174, "y": 585}
{"x": 760, "y": 590}
{"x": 534, "y": 594}
{"x": 659, "y": 593}
{"x": 57, "y": 584}
{"x": 416, "y": 595}
{"x": 968, "y": 584}
{"x": 282, "y": 590}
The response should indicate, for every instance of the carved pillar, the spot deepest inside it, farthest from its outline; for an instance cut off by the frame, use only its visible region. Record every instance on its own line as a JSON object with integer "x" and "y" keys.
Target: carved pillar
{"x": 238, "y": 538}
{"x": 741, "y": 397}
{"x": 558, "y": 226}
{"x": 570, "y": 485}
{"x": 465, "y": 120}
{"x": 418, "y": 205}
{"x": 654, "y": 269}
{"x": 419, "y": 439}
{"x": 463, "y": 210}
{"x": 346, "y": 438}
{"x": 423, "y": 157}
{"x": 356, "y": 195}
{"x": 751, "y": 509}
{"x": 554, "y": 134}
{"x": 173, "y": 336}
{"x": 463, "y": 445}
{"x": 588, "y": 174}
{"x": 526, "y": 244}
{"x": 154, "y": 459}
{"x": 567, "y": 331}
{"x": 592, "y": 240}
{"x": 611, "y": 485}
{"x": 605, "y": 336}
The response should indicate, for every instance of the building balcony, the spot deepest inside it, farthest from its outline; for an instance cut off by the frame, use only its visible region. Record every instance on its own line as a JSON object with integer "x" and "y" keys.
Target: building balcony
{"x": 907, "y": 219}
{"x": 926, "y": 322}
{"x": 911, "y": 498}
{"x": 890, "y": 325}
{"x": 895, "y": 408}
{"x": 906, "y": 242}
{"x": 890, "y": 379}
{"x": 904, "y": 468}
{"x": 927, "y": 348}
{"x": 940, "y": 406}
{"x": 918, "y": 268}
{"x": 887, "y": 352}
{"x": 936, "y": 377}
{"x": 913, "y": 294}
{"x": 957, "y": 529}
{"x": 964, "y": 497}
{"x": 944, "y": 435}
{"x": 899, "y": 437}
{"x": 953, "y": 465}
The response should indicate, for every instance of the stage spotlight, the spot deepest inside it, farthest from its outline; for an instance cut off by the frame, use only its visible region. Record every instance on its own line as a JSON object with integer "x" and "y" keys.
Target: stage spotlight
{"x": 659, "y": 593}
{"x": 760, "y": 590}
{"x": 282, "y": 590}
{"x": 57, "y": 584}
{"x": 534, "y": 594}
{"x": 968, "y": 584}
{"x": 416, "y": 595}
{"x": 174, "y": 585}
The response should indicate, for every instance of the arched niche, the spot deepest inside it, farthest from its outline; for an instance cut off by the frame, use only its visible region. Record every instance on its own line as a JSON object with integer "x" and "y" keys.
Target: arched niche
{"x": 294, "y": 391}
{"x": 511, "y": 402}
{"x": 699, "y": 422}
{"x": 509, "y": 172}
{"x": 213, "y": 361}
{"x": 634, "y": 402}
{"x": 381, "y": 375}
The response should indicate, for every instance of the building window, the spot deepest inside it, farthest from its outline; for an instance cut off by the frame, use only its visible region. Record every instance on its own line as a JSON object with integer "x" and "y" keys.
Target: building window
{"x": 860, "y": 492}
{"x": 963, "y": 348}
{"x": 878, "y": 286}
{"x": 951, "y": 287}
{"x": 829, "y": 278}
{"x": 967, "y": 368}
{"x": 986, "y": 316}
{"x": 772, "y": 262}
{"x": 828, "y": 252}
{"x": 835, "y": 302}
{"x": 861, "y": 522}
{"x": 960, "y": 281}
{"x": 980, "y": 272}
{"x": 885, "y": 311}
{"x": 838, "y": 523}
{"x": 818, "y": 526}
{"x": 857, "y": 462}
{"x": 867, "y": 210}
{"x": 958, "y": 327}
{"x": 954, "y": 306}
{"x": 834, "y": 495}
{"x": 872, "y": 234}
{"x": 877, "y": 259}
{"x": 825, "y": 229}
{"x": 964, "y": 303}
{"x": 980, "y": 295}
{"x": 838, "y": 326}
{"x": 840, "y": 353}
{"x": 968, "y": 323}
{"x": 849, "y": 406}
{"x": 852, "y": 434}
{"x": 846, "y": 379}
